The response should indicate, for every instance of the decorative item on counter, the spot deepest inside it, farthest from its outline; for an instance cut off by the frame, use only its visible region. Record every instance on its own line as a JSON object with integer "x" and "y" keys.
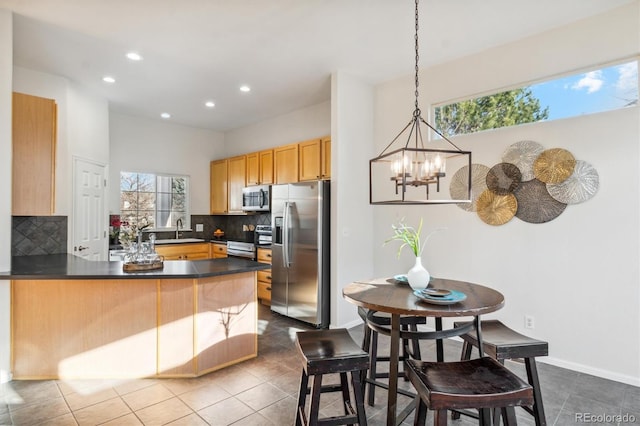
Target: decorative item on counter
{"x": 417, "y": 276}
{"x": 218, "y": 233}
{"x": 142, "y": 257}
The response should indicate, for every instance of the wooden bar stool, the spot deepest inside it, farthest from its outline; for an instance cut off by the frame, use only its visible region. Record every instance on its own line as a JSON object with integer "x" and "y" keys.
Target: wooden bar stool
{"x": 330, "y": 352}
{"x": 370, "y": 345}
{"x": 501, "y": 343}
{"x": 481, "y": 383}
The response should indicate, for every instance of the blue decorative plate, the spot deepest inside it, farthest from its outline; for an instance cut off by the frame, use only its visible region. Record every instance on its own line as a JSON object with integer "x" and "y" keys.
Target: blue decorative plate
{"x": 453, "y": 297}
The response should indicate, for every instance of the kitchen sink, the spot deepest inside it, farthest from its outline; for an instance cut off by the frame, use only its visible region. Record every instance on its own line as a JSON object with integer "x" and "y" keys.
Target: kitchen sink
{"x": 180, "y": 241}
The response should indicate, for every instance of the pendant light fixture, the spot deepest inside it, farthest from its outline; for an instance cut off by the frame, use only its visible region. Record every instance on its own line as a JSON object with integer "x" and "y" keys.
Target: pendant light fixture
{"x": 410, "y": 173}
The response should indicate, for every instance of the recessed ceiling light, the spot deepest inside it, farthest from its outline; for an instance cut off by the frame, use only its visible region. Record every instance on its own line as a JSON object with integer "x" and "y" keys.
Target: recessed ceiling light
{"x": 165, "y": 115}
{"x": 245, "y": 88}
{"x": 209, "y": 104}
{"x": 108, "y": 79}
{"x": 134, "y": 56}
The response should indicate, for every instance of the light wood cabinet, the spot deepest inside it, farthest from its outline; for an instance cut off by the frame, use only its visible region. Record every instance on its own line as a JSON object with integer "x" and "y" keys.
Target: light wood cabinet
{"x": 236, "y": 181}
{"x": 315, "y": 159}
{"x": 325, "y": 158}
{"x": 191, "y": 251}
{"x": 264, "y": 276}
{"x": 218, "y": 186}
{"x": 266, "y": 166}
{"x": 253, "y": 168}
{"x": 218, "y": 250}
{"x": 285, "y": 164}
{"x": 34, "y": 155}
{"x": 260, "y": 168}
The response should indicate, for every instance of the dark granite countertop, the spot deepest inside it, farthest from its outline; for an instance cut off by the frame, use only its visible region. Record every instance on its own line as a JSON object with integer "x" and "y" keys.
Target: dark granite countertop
{"x": 70, "y": 267}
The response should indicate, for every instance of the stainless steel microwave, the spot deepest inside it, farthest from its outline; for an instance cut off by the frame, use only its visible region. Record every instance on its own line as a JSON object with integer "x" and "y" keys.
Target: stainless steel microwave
{"x": 256, "y": 198}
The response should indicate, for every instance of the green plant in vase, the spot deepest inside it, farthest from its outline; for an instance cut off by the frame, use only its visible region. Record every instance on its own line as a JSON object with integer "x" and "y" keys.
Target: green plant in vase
{"x": 408, "y": 236}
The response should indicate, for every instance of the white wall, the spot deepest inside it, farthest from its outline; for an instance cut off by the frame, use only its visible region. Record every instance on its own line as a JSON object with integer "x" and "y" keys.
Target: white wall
{"x": 555, "y": 271}
{"x": 351, "y": 214}
{"x": 299, "y": 125}
{"x": 6, "y": 71}
{"x": 143, "y": 145}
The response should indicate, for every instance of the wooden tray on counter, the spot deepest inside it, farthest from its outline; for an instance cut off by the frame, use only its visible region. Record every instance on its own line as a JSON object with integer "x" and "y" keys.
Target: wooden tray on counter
{"x": 137, "y": 267}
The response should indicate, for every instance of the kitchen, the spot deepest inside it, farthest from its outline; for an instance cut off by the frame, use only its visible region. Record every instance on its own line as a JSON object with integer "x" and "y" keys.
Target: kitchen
{"x": 125, "y": 142}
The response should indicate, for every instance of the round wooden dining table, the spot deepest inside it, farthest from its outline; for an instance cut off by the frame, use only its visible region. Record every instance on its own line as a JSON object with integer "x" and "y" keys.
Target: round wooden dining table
{"x": 398, "y": 299}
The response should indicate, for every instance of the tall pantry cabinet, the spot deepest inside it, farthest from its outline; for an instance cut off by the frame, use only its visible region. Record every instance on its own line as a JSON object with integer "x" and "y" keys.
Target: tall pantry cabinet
{"x": 34, "y": 155}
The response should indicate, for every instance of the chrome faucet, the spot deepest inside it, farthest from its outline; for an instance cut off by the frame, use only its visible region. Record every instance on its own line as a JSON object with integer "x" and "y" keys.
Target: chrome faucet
{"x": 178, "y": 226}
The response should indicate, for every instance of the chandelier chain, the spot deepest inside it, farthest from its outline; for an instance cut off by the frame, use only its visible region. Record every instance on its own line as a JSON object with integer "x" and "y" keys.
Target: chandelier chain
{"x": 417, "y": 110}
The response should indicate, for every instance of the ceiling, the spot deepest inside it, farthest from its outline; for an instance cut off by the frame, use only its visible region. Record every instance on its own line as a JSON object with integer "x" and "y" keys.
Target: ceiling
{"x": 285, "y": 50}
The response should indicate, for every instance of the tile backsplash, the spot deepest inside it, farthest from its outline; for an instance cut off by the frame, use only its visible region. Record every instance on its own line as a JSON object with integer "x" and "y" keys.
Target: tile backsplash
{"x": 32, "y": 235}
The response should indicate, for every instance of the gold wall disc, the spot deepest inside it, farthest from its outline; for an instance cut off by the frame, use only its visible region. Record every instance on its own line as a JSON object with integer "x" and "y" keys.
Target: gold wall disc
{"x": 496, "y": 209}
{"x": 554, "y": 165}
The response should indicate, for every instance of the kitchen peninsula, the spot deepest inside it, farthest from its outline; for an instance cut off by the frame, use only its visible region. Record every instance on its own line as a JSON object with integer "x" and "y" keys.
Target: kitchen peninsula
{"x": 73, "y": 318}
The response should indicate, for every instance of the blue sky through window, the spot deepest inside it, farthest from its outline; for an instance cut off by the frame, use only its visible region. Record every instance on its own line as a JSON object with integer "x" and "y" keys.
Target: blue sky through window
{"x": 595, "y": 91}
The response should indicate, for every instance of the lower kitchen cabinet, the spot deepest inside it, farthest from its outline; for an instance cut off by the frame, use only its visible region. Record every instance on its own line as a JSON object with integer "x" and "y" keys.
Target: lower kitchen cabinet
{"x": 264, "y": 276}
{"x": 192, "y": 251}
{"x": 218, "y": 250}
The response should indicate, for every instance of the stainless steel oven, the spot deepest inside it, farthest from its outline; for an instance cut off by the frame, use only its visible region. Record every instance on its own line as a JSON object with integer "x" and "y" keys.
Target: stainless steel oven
{"x": 241, "y": 249}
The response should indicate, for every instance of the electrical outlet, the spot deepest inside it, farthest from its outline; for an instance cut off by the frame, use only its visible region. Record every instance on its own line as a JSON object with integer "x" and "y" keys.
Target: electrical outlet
{"x": 199, "y": 227}
{"x": 529, "y": 321}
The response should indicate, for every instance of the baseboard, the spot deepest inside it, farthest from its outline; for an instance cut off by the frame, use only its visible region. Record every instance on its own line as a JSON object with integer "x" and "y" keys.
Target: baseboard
{"x": 581, "y": 368}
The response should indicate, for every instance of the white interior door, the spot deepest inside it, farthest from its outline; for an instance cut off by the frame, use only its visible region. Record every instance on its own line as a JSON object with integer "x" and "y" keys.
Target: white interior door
{"x": 89, "y": 215}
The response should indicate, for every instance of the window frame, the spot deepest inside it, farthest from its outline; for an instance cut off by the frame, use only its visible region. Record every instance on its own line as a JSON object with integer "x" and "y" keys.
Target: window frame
{"x": 523, "y": 85}
{"x": 187, "y": 202}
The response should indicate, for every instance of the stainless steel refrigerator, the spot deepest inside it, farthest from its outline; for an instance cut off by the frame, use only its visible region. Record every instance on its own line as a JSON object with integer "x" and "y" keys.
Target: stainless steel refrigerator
{"x": 300, "y": 251}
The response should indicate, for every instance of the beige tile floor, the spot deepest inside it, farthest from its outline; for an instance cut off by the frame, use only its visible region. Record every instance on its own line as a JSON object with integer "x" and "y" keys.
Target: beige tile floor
{"x": 263, "y": 391}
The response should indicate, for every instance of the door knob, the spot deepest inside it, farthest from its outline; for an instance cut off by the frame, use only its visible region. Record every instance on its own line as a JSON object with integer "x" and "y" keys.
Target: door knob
{"x": 80, "y": 248}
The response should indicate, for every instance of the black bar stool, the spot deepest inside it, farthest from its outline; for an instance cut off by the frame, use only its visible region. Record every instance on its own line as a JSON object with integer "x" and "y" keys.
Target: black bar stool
{"x": 370, "y": 345}
{"x": 481, "y": 383}
{"x": 328, "y": 352}
{"x": 502, "y": 343}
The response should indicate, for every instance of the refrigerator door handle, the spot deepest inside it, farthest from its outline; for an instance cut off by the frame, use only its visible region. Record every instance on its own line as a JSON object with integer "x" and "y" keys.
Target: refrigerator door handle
{"x": 286, "y": 246}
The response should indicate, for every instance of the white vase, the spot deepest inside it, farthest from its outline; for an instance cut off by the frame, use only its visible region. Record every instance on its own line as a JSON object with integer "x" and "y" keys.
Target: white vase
{"x": 418, "y": 276}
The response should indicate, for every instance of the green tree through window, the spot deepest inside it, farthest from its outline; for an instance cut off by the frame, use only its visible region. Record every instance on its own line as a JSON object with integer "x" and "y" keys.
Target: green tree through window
{"x": 504, "y": 109}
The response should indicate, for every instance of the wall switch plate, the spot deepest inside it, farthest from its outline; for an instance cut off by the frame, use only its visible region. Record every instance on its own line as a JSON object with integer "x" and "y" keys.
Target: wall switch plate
{"x": 529, "y": 322}
{"x": 199, "y": 227}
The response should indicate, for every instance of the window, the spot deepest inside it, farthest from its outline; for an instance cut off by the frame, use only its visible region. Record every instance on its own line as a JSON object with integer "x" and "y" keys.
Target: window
{"x": 153, "y": 199}
{"x": 599, "y": 90}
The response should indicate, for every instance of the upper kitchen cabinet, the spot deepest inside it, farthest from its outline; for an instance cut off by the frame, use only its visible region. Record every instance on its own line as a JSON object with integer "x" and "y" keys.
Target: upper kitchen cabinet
{"x": 260, "y": 168}
{"x": 285, "y": 163}
{"x": 253, "y": 168}
{"x": 34, "y": 155}
{"x": 236, "y": 179}
{"x": 266, "y": 166}
{"x": 218, "y": 186}
{"x": 315, "y": 159}
{"x": 325, "y": 158}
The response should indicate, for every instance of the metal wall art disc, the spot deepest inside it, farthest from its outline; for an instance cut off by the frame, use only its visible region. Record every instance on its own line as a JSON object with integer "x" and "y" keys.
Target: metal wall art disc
{"x": 496, "y": 209}
{"x": 580, "y": 186}
{"x": 535, "y": 204}
{"x": 503, "y": 178}
{"x": 554, "y": 165}
{"x": 458, "y": 187}
{"x": 522, "y": 154}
